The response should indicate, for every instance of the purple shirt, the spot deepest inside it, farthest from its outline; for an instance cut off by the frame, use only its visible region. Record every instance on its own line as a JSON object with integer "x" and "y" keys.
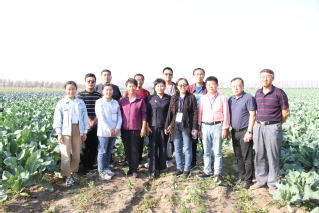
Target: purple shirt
{"x": 270, "y": 106}
{"x": 133, "y": 113}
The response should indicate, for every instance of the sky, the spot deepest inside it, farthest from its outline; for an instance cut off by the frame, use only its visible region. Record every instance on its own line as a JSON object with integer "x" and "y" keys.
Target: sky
{"x": 63, "y": 40}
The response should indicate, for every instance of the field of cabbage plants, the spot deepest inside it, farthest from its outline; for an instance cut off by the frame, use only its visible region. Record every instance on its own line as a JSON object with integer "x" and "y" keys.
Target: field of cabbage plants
{"x": 29, "y": 148}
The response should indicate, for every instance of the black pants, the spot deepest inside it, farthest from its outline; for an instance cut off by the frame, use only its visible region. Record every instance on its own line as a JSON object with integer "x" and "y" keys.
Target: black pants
{"x": 244, "y": 155}
{"x": 158, "y": 155}
{"x": 132, "y": 140}
{"x": 169, "y": 149}
{"x": 194, "y": 150}
{"x": 141, "y": 149}
{"x": 89, "y": 156}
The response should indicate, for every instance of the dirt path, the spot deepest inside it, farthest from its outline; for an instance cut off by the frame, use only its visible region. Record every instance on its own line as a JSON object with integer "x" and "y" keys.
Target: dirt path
{"x": 164, "y": 194}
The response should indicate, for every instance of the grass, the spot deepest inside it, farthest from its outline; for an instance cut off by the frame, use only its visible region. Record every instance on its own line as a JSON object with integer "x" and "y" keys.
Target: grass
{"x": 246, "y": 204}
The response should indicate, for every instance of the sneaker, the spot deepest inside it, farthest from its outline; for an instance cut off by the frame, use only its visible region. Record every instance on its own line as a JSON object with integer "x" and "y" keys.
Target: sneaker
{"x": 217, "y": 178}
{"x": 109, "y": 172}
{"x": 169, "y": 164}
{"x": 135, "y": 174}
{"x": 69, "y": 181}
{"x": 141, "y": 166}
{"x": 203, "y": 175}
{"x": 193, "y": 167}
{"x": 104, "y": 176}
{"x": 146, "y": 165}
{"x": 186, "y": 174}
{"x": 255, "y": 186}
{"x": 272, "y": 191}
{"x": 74, "y": 177}
{"x": 178, "y": 173}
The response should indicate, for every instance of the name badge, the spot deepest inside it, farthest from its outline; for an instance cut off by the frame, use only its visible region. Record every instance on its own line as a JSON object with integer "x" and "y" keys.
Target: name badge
{"x": 179, "y": 117}
{"x": 114, "y": 117}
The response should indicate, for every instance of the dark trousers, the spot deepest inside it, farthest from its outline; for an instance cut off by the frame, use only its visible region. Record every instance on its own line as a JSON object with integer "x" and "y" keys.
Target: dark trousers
{"x": 169, "y": 149}
{"x": 88, "y": 158}
{"x": 132, "y": 140}
{"x": 244, "y": 155}
{"x": 194, "y": 150}
{"x": 141, "y": 149}
{"x": 158, "y": 143}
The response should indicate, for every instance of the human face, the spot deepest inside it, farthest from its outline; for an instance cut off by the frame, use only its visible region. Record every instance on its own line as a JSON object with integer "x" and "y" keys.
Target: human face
{"x": 90, "y": 83}
{"x": 182, "y": 86}
{"x": 160, "y": 88}
{"x": 108, "y": 92}
{"x": 168, "y": 75}
{"x": 199, "y": 76}
{"x": 70, "y": 90}
{"x": 106, "y": 77}
{"x": 237, "y": 87}
{"x": 211, "y": 87}
{"x": 140, "y": 81}
{"x": 131, "y": 88}
{"x": 266, "y": 79}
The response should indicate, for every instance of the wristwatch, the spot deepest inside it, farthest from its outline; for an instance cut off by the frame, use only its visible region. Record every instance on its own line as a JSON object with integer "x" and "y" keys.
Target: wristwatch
{"x": 250, "y": 132}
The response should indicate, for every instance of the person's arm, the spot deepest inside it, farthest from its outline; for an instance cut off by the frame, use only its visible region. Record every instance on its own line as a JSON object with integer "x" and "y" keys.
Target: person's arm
{"x": 144, "y": 118}
{"x": 200, "y": 113}
{"x": 252, "y": 117}
{"x": 226, "y": 121}
{"x": 167, "y": 127}
{"x": 195, "y": 115}
{"x": 285, "y": 113}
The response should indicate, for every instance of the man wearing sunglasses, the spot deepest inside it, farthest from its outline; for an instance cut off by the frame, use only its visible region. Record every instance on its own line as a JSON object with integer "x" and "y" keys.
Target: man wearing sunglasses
{"x": 89, "y": 96}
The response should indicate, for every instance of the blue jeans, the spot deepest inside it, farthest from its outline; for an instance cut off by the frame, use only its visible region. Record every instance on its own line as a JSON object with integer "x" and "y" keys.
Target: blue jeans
{"x": 179, "y": 141}
{"x": 212, "y": 140}
{"x": 104, "y": 152}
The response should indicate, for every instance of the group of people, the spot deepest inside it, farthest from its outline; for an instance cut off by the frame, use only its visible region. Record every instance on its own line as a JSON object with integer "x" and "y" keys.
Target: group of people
{"x": 176, "y": 118}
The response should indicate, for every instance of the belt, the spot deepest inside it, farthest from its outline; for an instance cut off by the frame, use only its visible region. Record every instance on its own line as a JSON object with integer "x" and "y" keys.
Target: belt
{"x": 239, "y": 130}
{"x": 212, "y": 123}
{"x": 268, "y": 122}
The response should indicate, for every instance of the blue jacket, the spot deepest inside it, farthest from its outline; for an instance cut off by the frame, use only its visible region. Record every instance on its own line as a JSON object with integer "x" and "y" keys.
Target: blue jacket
{"x": 63, "y": 114}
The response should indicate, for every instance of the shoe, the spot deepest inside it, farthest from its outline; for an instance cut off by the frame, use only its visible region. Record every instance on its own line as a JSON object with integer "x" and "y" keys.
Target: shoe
{"x": 146, "y": 165}
{"x": 124, "y": 163}
{"x": 237, "y": 181}
{"x": 93, "y": 168}
{"x": 186, "y": 174}
{"x": 141, "y": 165}
{"x": 255, "y": 186}
{"x": 129, "y": 172}
{"x": 203, "y": 175}
{"x": 104, "y": 176}
{"x": 69, "y": 182}
{"x": 109, "y": 172}
{"x": 178, "y": 173}
{"x": 193, "y": 167}
{"x": 271, "y": 191}
{"x": 217, "y": 178}
{"x": 85, "y": 172}
{"x": 74, "y": 177}
{"x": 135, "y": 174}
{"x": 246, "y": 185}
{"x": 169, "y": 164}
{"x": 152, "y": 175}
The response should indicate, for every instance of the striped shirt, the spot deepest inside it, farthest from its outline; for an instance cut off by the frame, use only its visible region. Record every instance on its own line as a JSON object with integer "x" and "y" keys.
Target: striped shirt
{"x": 270, "y": 106}
{"x": 89, "y": 99}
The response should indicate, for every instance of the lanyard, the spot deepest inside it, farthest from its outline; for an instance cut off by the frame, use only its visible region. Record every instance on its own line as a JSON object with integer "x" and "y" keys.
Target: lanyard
{"x": 181, "y": 104}
{"x": 211, "y": 103}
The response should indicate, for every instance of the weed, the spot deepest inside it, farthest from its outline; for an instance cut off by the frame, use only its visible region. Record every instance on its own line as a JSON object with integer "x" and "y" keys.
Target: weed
{"x": 245, "y": 203}
{"x": 183, "y": 208}
{"x": 56, "y": 208}
{"x": 173, "y": 199}
{"x": 130, "y": 184}
{"x": 148, "y": 203}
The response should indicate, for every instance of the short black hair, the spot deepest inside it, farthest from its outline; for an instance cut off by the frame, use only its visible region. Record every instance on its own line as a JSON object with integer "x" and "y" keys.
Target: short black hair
{"x": 106, "y": 85}
{"x": 139, "y": 74}
{"x": 168, "y": 68}
{"x": 268, "y": 71}
{"x": 131, "y": 81}
{"x": 198, "y": 69}
{"x": 70, "y": 82}
{"x": 89, "y": 75}
{"x": 106, "y": 70}
{"x": 212, "y": 78}
{"x": 238, "y": 78}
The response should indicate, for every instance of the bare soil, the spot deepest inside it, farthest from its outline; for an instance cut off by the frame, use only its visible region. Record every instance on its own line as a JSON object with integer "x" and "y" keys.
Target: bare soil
{"x": 143, "y": 194}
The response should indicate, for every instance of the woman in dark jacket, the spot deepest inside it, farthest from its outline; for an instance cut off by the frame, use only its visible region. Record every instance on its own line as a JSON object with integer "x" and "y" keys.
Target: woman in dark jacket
{"x": 181, "y": 120}
{"x": 157, "y": 108}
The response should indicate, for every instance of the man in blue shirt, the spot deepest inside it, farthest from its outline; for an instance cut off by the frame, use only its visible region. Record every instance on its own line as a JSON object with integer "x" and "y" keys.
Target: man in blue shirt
{"x": 198, "y": 89}
{"x": 242, "y": 107}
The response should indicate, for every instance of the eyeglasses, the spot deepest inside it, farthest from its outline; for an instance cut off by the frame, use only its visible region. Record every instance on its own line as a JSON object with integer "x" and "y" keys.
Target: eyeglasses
{"x": 182, "y": 85}
{"x": 266, "y": 76}
{"x": 89, "y": 81}
{"x": 199, "y": 74}
{"x": 169, "y": 74}
{"x": 139, "y": 80}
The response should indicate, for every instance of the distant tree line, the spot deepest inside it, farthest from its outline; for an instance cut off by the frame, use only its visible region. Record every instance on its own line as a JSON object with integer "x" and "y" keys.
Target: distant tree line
{"x": 296, "y": 84}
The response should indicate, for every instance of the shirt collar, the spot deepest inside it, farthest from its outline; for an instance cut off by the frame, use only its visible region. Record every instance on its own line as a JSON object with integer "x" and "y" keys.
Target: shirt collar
{"x": 234, "y": 96}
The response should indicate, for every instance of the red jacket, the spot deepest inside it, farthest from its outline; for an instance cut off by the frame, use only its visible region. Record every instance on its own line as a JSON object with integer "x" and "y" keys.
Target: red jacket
{"x": 192, "y": 88}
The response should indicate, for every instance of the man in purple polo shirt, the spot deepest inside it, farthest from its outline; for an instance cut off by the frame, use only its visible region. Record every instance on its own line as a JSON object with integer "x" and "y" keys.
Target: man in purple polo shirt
{"x": 242, "y": 107}
{"x": 272, "y": 112}
{"x": 198, "y": 89}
